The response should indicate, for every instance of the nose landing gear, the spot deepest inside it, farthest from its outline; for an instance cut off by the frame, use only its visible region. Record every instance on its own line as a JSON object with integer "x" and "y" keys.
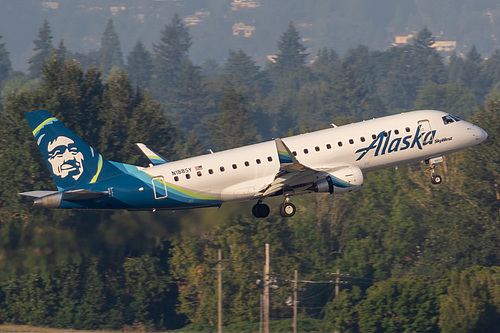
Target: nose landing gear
{"x": 435, "y": 179}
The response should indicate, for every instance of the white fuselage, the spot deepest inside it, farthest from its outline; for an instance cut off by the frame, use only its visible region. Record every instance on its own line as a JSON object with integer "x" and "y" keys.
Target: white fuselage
{"x": 243, "y": 173}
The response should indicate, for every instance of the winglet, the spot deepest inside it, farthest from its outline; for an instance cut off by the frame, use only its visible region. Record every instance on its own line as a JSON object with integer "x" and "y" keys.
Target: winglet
{"x": 287, "y": 159}
{"x": 153, "y": 156}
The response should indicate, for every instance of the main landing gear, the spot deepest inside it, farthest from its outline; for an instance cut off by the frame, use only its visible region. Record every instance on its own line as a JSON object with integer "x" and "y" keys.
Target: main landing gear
{"x": 435, "y": 179}
{"x": 260, "y": 209}
{"x": 286, "y": 209}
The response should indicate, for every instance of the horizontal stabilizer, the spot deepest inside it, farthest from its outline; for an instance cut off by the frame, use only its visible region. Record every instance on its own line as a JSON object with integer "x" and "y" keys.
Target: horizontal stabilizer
{"x": 153, "y": 156}
{"x": 37, "y": 194}
{"x": 76, "y": 195}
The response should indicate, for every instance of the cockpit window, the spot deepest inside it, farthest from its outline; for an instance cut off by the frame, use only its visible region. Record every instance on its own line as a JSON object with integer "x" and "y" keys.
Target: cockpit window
{"x": 448, "y": 119}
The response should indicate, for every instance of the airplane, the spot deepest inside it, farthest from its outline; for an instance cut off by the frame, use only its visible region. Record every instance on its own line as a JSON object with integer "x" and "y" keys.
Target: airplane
{"x": 331, "y": 160}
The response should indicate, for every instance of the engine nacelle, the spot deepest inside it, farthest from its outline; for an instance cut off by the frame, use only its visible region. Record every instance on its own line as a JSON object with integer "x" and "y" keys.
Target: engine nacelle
{"x": 343, "y": 180}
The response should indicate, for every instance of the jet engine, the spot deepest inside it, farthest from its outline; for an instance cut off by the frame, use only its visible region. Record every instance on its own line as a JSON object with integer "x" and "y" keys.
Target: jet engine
{"x": 346, "y": 179}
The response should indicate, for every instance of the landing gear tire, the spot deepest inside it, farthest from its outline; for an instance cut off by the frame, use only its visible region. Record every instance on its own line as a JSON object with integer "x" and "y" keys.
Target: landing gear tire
{"x": 436, "y": 179}
{"x": 260, "y": 210}
{"x": 287, "y": 209}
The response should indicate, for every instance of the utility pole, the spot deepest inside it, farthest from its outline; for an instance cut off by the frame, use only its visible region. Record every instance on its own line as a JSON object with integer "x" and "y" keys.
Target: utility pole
{"x": 266, "y": 290}
{"x": 219, "y": 271}
{"x": 295, "y": 300}
{"x": 337, "y": 283}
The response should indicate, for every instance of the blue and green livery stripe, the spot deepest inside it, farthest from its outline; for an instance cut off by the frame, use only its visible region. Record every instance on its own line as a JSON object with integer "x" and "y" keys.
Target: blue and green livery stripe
{"x": 187, "y": 193}
{"x": 99, "y": 168}
{"x": 339, "y": 183}
{"x": 284, "y": 157}
{"x": 45, "y": 122}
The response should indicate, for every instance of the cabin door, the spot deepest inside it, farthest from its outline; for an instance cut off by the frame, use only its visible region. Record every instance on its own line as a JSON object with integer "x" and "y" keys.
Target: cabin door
{"x": 159, "y": 187}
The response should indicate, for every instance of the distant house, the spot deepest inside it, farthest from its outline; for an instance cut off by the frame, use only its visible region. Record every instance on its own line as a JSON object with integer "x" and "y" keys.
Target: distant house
{"x": 239, "y": 28}
{"x": 403, "y": 39}
{"x": 445, "y": 45}
{"x": 236, "y": 4}
{"x": 439, "y": 45}
{"x": 50, "y": 5}
{"x": 191, "y": 20}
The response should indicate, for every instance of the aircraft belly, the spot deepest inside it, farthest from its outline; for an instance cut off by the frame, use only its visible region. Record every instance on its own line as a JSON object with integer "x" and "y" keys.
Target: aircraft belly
{"x": 246, "y": 190}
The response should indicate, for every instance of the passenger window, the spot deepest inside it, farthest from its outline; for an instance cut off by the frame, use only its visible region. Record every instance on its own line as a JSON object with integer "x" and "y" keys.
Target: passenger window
{"x": 351, "y": 141}
{"x": 247, "y": 163}
{"x": 199, "y": 173}
{"x": 386, "y": 134}
{"x": 306, "y": 151}
{"x": 316, "y": 148}
{"x": 210, "y": 171}
{"x": 222, "y": 169}
{"x": 407, "y": 129}
{"x": 374, "y": 136}
{"x": 176, "y": 178}
{"x": 328, "y": 146}
{"x": 340, "y": 143}
{"x": 258, "y": 161}
{"x": 362, "y": 139}
{"x": 294, "y": 153}
{"x": 188, "y": 176}
{"x": 396, "y": 132}
{"x": 234, "y": 166}
{"x": 269, "y": 158}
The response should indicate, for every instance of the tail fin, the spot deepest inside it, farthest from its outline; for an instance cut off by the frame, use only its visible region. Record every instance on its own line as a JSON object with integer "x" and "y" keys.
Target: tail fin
{"x": 70, "y": 160}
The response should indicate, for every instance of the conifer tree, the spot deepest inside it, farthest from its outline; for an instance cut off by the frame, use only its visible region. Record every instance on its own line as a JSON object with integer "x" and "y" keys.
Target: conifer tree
{"x": 292, "y": 54}
{"x": 61, "y": 51}
{"x": 290, "y": 72}
{"x": 171, "y": 58}
{"x": 140, "y": 65}
{"x": 242, "y": 67}
{"x": 5, "y": 64}
{"x": 110, "y": 54}
{"x": 232, "y": 128}
{"x": 43, "y": 50}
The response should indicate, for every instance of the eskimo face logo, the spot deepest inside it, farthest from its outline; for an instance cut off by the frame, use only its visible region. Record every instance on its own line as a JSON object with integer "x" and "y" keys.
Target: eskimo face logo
{"x": 65, "y": 158}
{"x": 383, "y": 143}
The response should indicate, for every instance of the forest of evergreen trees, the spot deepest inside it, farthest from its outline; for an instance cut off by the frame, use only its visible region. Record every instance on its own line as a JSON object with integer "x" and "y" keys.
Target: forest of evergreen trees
{"x": 420, "y": 257}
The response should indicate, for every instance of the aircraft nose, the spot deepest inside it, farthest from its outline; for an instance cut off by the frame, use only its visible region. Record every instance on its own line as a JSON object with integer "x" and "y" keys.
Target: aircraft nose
{"x": 480, "y": 134}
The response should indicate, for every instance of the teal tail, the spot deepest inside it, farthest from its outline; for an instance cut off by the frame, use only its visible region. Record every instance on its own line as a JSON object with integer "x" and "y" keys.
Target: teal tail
{"x": 71, "y": 161}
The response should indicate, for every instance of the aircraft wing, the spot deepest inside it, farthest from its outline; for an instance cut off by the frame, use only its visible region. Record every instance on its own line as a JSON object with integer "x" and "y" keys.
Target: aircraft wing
{"x": 153, "y": 156}
{"x": 292, "y": 173}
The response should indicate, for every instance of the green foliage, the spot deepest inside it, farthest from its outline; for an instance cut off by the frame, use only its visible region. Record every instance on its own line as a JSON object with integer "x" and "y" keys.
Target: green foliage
{"x": 232, "y": 128}
{"x": 110, "y": 53}
{"x": 409, "y": 304}
{"x": 5, "y": 64}
{"x": 43, "y": 50}
{"x": 448, "y": 97}
{"x": 342, "y": 314}
{"x": 472, "y": 303}
{"x": 140, "y": 65}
